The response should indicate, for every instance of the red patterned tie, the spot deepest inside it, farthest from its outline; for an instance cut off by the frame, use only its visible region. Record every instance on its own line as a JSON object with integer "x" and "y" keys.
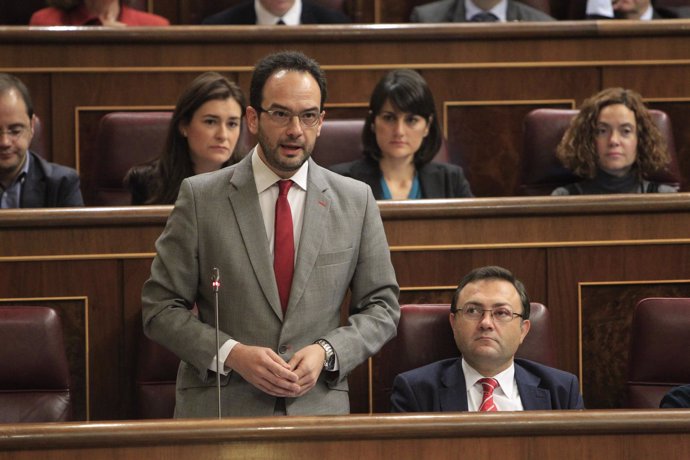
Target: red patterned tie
{"x": 488, "y": 387}
{"x": 284, "y": 245}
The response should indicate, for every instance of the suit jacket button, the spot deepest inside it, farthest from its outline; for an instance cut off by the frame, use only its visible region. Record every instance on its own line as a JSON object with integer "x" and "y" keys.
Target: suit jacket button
{"x": 282, "y": 349}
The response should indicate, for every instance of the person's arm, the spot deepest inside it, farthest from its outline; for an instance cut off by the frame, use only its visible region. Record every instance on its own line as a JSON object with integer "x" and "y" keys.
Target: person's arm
{"x": 69, "y": 191}
{"x": 170, "y": 293}
{"x": 374, "y": 309}
{"x": 403, "y": 398}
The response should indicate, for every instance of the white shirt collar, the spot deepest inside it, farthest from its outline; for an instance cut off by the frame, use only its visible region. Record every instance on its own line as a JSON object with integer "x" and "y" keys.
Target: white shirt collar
{"x": 265, "y": 177}
{"x": 648, "y": 15}
{"x": 291, "y": 17}
{"x": 506, "y": 378}
{"x": 500, "y": 10}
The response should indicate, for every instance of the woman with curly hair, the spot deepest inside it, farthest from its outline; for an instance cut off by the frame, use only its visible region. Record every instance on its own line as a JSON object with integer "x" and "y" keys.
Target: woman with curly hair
{"x": 401, "y": 136}
{"x": 202, "y": 137}
{"x": 112, "y": 13}
{"x": 614, "y": 145}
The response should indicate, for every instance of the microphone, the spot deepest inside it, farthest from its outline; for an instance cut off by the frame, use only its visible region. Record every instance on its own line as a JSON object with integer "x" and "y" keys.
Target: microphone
{"x": 215, "y": 284}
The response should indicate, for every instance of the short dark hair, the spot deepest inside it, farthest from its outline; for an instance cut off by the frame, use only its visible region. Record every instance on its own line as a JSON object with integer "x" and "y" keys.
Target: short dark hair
{"x": 408, "y": 92}
{"x": 284, "y": 60}
{"x": 493, "y": 273}
{"x": 10, "y": 82}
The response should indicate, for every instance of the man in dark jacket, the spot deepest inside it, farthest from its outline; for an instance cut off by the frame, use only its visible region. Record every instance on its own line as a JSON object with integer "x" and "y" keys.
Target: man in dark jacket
{"x": 26, "y": 180}
{"x": 277, "y": 12}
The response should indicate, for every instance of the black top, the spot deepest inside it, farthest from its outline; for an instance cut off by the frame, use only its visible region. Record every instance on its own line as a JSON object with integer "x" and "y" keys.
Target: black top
{"x": 244, "y": 14}
{"x": 437, "y": 180}
{"x": 604, "y": 184}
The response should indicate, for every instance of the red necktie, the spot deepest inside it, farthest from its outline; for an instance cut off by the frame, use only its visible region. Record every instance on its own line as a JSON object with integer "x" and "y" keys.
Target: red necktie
{"x": 284, "y": 245}
{"x": 488, "y": 387}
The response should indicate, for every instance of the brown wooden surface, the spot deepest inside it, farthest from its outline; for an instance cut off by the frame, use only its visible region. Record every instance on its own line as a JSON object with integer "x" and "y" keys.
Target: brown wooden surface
{"x": 484, "y": 79}
{"x": 609, "y": 435}
{"x": 573, "y": 254}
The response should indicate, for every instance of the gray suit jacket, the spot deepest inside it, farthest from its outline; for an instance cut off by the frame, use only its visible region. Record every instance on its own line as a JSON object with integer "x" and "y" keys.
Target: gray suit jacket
{"x": 217, "y": 222}
{"x": 454, "y": 11}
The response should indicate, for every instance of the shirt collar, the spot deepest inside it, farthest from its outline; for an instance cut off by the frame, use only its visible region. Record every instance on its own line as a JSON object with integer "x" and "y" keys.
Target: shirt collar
{"x": 266, "y": 18}
{"x": 648, "y": 15}
{"x": 500, "y": 10}
{"x": 506, "y": 378}
{"x": 265, "y": 177}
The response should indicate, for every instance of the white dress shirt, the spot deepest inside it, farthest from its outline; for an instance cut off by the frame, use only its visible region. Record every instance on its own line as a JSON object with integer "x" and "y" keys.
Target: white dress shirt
{"x": 506, "y": 395}
{"x": 267, "y": 189}
{"x": 500, "y": 10}
{"x": 266, "y": 18}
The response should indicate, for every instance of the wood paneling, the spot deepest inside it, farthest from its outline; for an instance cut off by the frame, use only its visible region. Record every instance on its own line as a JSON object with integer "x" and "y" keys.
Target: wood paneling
{"x": 577, "y": 255}
{"x": 502, "y": 69}
{"x": 609, "y": 435}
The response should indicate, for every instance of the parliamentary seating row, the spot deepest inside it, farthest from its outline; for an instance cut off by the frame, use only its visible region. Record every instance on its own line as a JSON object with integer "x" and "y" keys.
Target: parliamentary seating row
{"x": 192, "y": 12}
{"x": 389, "y": 11}
{"x": 126, "y": 139}
{"x": 658, "y": 358}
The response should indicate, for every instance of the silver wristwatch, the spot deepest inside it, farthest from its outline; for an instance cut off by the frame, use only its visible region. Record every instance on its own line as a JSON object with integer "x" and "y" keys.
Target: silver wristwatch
{"x": 329, "y": 361}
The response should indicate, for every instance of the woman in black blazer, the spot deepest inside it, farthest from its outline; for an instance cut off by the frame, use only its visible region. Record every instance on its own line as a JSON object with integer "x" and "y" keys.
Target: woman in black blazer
{"x": 401, "y": 136}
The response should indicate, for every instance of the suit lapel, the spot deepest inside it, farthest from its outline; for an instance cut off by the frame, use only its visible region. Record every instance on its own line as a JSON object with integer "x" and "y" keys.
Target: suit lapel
{"x": 452, "y": 395}
{"x": 34, "y": 188}
{"x": 533, "y": 397}
{"x": 431, "y": 181}
{"x": 245, "y": 204}
{"x": 316, "y": 208}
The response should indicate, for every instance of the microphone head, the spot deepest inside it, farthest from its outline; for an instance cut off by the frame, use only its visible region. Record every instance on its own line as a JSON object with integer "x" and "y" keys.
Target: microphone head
{"x": 215, "y": 279}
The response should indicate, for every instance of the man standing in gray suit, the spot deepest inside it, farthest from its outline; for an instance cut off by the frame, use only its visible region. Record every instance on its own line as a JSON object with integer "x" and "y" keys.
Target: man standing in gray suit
{"x": 477, "y": 11}
{"x": 289, "y": 239}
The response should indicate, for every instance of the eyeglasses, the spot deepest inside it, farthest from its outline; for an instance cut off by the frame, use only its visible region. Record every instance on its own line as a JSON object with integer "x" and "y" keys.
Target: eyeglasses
{"x": 499, "y": 314}
{"x": 13, "y": 133}
{"x": 281, "y": 117}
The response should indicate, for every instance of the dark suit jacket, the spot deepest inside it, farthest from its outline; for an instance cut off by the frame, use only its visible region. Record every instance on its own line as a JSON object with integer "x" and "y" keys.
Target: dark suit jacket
{"x": 244, "y": 14}
{"x": 677, "y": 12}
{"x": 437, "y": 180}
{"x": 454, "y": 11}
{"x": 678, "y": 398}
{"x": 49, "y": 185}
{"x": 440, "y": 387}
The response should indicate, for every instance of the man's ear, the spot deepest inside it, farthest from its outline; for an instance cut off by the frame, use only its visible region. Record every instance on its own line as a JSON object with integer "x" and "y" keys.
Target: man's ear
{"x": 252, "y": 117}
{"x": 524, "y": 329}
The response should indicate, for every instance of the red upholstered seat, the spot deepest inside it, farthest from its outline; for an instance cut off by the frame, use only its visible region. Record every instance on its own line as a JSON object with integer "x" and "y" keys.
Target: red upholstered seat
{"x": 659, "y": 350}
{"x": 542, "y": 172}
{"x": 155, "y": 380}
{"x": 339, "y": 141}
{"x": 34, "y": 374}
{"x": 125, "y": 139}
{"x": 425, "y": 336}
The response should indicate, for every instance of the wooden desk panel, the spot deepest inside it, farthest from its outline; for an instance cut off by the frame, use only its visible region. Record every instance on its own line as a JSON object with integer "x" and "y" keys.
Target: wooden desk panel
{"x": 565, "y": 249}
{"x": 610, "y": 435}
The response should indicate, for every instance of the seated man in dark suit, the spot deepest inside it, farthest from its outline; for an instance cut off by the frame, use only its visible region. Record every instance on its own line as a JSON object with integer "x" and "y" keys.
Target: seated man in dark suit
{"x": 489, "y": 316}
{"x": 677, "y": 398}
{"x": 642, "y": 10}
{"x": 477, "y": 11}
{"x": 273, "y": 12}
{"x": 26, "y": 180}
